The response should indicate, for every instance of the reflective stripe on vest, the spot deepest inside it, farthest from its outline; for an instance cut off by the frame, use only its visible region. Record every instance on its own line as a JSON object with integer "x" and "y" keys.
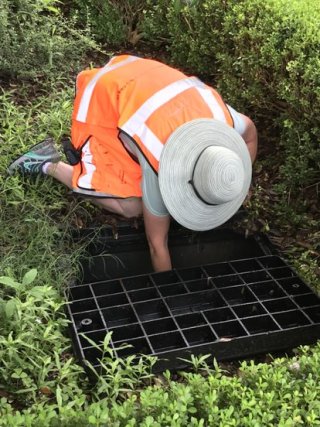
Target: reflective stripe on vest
{"x": 136, "y": 124}
{"x": 86, "y": 97}
{"x": 85, "y": 180}
{"x": 137, "y": 115}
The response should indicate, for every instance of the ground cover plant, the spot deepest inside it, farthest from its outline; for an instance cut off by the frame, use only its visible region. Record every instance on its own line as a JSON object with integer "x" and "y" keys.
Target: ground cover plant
{"x": 40, "y": 382}
{"x": 35, "y": 40}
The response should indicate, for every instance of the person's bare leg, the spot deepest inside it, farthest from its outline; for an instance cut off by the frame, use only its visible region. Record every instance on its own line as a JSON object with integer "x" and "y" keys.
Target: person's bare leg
{"x": 62, "y": 172}
{"x": 129, "y": 207}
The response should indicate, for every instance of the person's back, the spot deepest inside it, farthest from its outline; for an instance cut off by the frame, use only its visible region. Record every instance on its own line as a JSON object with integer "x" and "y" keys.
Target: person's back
{"x": 136, "y": 118}
{"x": 145, "y": 99}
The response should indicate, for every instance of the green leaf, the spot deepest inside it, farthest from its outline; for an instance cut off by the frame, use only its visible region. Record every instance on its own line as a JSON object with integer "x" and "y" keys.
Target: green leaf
{"x": 92, "y": 419}
{"x": 52, "y": 9}
{"x": 29, "y": 277}
{"x": 37, "y": 292}
{"x": 59, "y": 396}
{"x": 10, "y": 308}
{"x": 8, "y": 281}
{"x": 15, "y": 375}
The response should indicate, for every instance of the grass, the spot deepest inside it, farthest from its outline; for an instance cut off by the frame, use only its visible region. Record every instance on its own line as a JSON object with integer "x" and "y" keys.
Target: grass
{"x": 40, "y": 382}
{"x": 36, "y": 213}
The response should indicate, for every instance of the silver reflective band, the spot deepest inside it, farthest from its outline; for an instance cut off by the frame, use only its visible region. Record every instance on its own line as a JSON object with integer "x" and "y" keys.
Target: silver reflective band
{"x": 136, "y": 124}
{"x": 86, "y": 97}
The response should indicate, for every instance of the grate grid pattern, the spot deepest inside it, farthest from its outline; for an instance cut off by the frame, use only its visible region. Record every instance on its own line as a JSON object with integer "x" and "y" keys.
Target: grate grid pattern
{"x": 191, "y": 310}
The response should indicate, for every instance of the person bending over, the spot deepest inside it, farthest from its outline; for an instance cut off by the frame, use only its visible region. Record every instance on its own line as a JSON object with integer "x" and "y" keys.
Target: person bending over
{"x": 148, "y": 140}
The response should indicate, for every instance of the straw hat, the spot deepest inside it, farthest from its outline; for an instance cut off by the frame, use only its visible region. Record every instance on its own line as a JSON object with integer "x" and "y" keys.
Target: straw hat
{"x": 204, "y": 173}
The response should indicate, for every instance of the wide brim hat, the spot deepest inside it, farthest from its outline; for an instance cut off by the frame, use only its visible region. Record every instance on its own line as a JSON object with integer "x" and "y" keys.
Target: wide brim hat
{"x": 204, "y": 173}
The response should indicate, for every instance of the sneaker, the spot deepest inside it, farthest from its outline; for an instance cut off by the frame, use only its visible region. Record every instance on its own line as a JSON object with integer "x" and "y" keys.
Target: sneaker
{"x": 32, "y": 161}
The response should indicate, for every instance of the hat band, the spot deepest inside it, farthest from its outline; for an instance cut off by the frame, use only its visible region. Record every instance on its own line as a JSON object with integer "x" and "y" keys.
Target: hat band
{"x": 191, "y": 182}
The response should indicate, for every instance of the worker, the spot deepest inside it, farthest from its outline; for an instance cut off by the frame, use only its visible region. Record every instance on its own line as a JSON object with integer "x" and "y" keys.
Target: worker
{"x": 148, "y": 140}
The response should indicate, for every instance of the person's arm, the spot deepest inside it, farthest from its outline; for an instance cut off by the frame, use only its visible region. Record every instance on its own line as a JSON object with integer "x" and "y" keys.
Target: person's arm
{"x": 155, "y": 214}
{"x": 247, "y": 129}
{"x": 250, "y": 136}
{"x": 157, "y": 228}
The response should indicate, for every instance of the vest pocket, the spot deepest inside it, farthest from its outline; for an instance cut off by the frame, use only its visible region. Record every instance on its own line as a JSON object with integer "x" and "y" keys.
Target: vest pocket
{"x": 72, "y": 154}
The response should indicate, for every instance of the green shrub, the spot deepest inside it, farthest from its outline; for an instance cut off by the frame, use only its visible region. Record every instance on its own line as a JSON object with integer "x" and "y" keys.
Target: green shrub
{"x": 247, "y": 49}
{"x": 35, "y": 40}
{"x": 264, "y": 58}
{"x": 105, "y": 22}
{"x": 33, "y": 356}
{"x": 283, "y": 393}
{"x": 114, "y": 23}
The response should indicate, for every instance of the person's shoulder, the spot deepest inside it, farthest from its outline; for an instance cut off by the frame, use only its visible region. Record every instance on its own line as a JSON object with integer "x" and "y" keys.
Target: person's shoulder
{"x": 85, "y": 76}
{"x": 239, "y": 120}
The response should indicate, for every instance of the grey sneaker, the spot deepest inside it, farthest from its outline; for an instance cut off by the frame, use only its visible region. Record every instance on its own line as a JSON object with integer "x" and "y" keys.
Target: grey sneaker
{"x": 32, "y": 161}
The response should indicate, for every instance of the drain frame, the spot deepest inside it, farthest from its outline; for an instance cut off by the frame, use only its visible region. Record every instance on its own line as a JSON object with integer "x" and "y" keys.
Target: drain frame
{"x": 231, "y": 309}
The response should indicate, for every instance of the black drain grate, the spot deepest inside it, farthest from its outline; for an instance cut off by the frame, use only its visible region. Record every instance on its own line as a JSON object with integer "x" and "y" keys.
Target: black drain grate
{"x": 229, "y": 309}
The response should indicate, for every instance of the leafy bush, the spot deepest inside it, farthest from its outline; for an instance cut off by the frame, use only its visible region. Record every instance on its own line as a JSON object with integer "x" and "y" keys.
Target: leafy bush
{"x": 247, "y": 48}
{"x": 264, "y": 58}
{"x": 114, "y": 23}
{"x": 32, "y": 326}
{"x": 283, "y": 393}
{"x": 105, "y": 22}
{"x": 36, "y": 40}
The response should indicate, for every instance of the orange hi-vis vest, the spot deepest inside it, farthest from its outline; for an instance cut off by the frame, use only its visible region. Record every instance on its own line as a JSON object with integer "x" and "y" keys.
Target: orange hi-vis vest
{"x": 144, "y": 99}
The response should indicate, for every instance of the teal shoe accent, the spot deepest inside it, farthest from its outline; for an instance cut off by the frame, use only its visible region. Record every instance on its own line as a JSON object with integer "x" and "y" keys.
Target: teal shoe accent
{"x": 32, "y": 161}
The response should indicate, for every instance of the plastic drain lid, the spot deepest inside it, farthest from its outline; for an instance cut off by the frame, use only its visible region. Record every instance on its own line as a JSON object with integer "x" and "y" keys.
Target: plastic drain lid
{"x": 230, "y": 309}
{"x": 86, "y": 322}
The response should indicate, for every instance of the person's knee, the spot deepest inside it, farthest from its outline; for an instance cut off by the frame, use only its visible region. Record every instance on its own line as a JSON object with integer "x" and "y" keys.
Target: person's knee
{"x": 131, "y": 208}
{"x": 157, "y": 242}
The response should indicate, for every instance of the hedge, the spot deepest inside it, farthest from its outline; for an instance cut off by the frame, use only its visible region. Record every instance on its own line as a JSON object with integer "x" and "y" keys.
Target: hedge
{"x": 283, "y": 393}
{"x": 37, "y": 42}
{"x": 262, "y": 55}
{"x": 264, "y": 58}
